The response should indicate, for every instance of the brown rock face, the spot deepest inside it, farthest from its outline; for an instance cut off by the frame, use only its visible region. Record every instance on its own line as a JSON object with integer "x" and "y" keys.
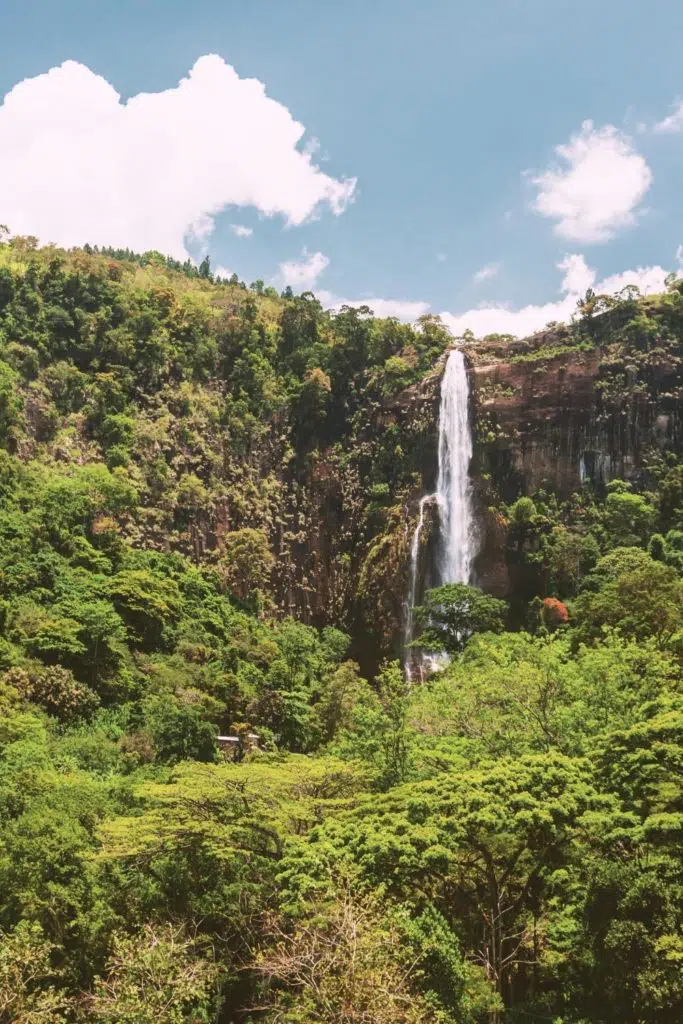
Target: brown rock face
{"x": 534, "y": 422}
{"x": 553, "y": 414}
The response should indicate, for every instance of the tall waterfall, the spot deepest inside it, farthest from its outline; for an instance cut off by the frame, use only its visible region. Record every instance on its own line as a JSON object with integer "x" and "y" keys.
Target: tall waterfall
{"x": 453, "y": 490}
{"x": 453, "y": 497}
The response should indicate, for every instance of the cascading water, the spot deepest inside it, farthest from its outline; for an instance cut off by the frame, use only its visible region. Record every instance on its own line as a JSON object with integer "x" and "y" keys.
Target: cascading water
{"x": 453, "y": 490}
{"x": 457, "y": 541}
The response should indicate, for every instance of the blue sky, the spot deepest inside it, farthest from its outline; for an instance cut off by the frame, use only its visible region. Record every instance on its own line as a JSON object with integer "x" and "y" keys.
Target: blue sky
{"x": 430, "y": 176}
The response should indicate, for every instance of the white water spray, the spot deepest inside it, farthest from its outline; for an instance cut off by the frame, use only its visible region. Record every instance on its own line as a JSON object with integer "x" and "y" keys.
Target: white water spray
{"x": 457, "y": 545}
{"x": 453, "y": 489}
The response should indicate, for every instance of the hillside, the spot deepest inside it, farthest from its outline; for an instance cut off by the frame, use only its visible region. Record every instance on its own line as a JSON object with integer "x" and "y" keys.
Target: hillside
{"x": 209, "y": 496}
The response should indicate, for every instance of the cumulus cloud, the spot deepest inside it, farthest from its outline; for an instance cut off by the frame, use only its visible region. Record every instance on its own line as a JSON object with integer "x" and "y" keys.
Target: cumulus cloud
{"x": 224, "y": 272}
{"x": 577, "y": 278}
{"x": 403, "y": 309}
{"x": 241, "y": 231}
{"x": 649, "y": 280}
{"x": 302, "y": 274}
{"x": 500, "y": 320}
{"x": 486, "y": 273}
{"x": 671, "y": 124}
{"x": 596, "y": 187}
{"x": 79, "y": 165}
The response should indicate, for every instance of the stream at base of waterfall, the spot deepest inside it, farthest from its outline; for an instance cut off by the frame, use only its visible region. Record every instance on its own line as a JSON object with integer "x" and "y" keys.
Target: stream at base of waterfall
{"x": 453, "y": 500}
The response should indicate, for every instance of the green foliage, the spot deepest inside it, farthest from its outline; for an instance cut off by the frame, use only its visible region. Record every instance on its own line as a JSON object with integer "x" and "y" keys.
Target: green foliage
{"x": 28, "y": 992}
{"x": 246, "y": 564}
{"x": 350, "y": 954}
{"x": 203, "y": 495}
{"x": 452, "y": 613}
{"x": 56, "y": 690}
{"x": 149, "y": 604}
{"x": 179, "y": 733}
{"x": 641, "y": 602}
{"x": 482, "y": 846}
{"x": 10, "y": 401}
{"x": 628, "y": 517}
{"x": 571, "y": 556}
{"x": 156, "y": 977}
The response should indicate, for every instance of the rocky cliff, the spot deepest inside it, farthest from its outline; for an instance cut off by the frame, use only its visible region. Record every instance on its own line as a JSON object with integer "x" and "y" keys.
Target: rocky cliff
{"x": 568, "y": 409}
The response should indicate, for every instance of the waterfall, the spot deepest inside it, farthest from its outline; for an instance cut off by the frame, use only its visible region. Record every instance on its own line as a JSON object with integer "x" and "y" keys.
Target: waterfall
{"x": 457, "y": 547}
{"x": 453, "y": 497}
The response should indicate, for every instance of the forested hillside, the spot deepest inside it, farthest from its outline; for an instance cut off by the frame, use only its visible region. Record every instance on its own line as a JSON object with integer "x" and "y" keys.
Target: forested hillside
{"x": 207, "y": 498}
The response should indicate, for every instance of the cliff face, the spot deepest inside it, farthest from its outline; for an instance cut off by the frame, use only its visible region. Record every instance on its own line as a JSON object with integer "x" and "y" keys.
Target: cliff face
{"x": 534, "y": 422}
{"x": 342, "y": 544}
{"x": 564, "y": 409}
{"x": 554, "y": 416}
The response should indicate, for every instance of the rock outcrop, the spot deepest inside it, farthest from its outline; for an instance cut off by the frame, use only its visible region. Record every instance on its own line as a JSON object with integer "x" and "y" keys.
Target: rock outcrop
{"x": 554, "y": 413}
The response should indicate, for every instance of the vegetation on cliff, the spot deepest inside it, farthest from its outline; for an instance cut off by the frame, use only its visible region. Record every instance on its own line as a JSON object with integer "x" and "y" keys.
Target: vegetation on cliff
{"x": 206, "y": 502}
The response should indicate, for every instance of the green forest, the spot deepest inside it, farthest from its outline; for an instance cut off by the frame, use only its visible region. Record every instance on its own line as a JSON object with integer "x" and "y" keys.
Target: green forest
{"x": 208, "y": 491}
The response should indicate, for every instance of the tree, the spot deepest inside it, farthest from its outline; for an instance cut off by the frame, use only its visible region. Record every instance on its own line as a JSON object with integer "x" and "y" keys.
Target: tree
{"x": 246, "y": 564}
{"x": 482, "y": 846}
{"x": 571, "y": 556}
{"x": 178, "y": 731}
{"x": 311, "y": 405}
{"x": 453, "y": 612}
{"x": 11, "y": 401}
{"x": 393, "y": 693}
{"x": 149, "y": 604}
{"x": 342, "y": 690}
{"x": 213, "y": 838}
{"x": 628, "y": 517}
{"x": 56, "y": 690}
{"x": 619, "y": 562}
{"x": 671, "y": 499}
{"x": 156, "y": 977}
{"x": 554, "y": 613}
{"x": 28, "y": 994}
{"x": 644, "y": 602}
{"x": 350, "y": 960}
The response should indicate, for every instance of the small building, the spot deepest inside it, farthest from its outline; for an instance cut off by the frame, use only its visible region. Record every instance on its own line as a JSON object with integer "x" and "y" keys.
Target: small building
{"x": 234, "y": 747}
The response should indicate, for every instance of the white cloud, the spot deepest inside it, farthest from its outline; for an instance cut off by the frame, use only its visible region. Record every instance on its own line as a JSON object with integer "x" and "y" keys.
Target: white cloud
{"x": 78, "y": 165}
{"x": 486, "y": 273}
{"x": 578, "y": 277}
{"x": 402, "y": 309}
{"x": 224, "y": 272}
{"x": 649, "y": 280}
{"x": 441, "y": 257}
{"x": 671, "y": 124}
{"x": 241, "y": 231}
{"x": 302, "y": 274}
{"x": 597, "y": 187}
{"x": 312, "y": 146}
{"x": 499, "y": 320}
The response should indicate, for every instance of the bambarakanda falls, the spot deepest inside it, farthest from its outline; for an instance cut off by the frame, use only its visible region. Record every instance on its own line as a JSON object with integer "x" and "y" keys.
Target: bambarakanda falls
{"x": 340, "y": 659}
